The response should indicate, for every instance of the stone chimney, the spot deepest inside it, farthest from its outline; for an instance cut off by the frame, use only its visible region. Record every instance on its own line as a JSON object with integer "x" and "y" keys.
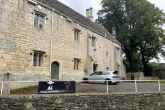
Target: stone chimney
{"x": 89, "y": 13}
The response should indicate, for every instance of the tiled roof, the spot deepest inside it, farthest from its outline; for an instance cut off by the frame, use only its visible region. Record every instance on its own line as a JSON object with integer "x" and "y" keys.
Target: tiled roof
{"x": 80, "y": 19}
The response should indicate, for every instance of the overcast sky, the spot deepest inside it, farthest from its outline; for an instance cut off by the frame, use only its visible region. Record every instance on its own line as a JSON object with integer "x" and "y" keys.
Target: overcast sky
{"x": 82, "y": 5}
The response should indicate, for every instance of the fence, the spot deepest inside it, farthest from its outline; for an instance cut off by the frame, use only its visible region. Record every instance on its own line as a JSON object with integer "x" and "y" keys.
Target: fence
{"x": 124, "y": 86}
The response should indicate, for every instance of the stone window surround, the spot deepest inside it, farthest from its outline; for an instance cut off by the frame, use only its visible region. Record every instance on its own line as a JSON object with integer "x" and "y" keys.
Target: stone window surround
{"x": 39, "y": 20}
{"x": 76, "y": 63}
{"x": 93, "y": 39}
{"x": 38, "y": 57}
{"x": 77, "y": 34}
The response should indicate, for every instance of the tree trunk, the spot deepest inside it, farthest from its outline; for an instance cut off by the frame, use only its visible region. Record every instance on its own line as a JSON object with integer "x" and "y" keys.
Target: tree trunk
{"x": 146, "y": 68}
{"x": 130, "y": 65}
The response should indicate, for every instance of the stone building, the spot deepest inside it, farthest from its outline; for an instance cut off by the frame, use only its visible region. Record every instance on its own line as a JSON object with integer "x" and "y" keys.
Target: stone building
{"x": 44, "y": 39}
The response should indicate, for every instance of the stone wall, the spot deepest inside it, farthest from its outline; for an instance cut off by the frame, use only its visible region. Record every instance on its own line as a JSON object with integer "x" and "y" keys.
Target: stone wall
{"x": 84, "y": 102}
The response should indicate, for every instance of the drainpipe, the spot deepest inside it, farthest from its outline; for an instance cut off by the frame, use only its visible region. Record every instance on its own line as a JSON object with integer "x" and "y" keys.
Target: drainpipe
{"x": 88, "y": 54}
{"x": 50, "y": 60}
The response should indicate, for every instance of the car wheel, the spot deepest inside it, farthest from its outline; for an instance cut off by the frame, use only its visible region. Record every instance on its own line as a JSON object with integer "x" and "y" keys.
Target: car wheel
{"x": 85, "y": 80}
{"x": 115, "y": 83}
{"x": 108, "y": 80}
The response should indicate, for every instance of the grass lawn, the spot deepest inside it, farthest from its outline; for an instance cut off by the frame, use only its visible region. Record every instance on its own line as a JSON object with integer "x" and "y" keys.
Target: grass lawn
{"x": 25, "y": 91}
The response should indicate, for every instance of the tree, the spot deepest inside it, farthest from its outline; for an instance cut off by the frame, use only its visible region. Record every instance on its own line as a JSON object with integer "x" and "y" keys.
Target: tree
{"x": 138, "y": 27}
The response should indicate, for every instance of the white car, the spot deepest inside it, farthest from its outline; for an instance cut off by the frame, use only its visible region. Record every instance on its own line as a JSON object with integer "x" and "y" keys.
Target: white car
{"x": 111, "y": 77}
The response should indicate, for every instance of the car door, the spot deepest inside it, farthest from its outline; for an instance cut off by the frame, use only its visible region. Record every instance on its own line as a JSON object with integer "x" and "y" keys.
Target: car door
{"x": 95, "y": 76}
{"x": 92, "y": 76}
{"x": 100, "y": 75}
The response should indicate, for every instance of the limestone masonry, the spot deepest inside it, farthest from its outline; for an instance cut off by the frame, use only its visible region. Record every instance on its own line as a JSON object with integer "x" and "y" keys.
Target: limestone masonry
{"x": 44, "y": 39}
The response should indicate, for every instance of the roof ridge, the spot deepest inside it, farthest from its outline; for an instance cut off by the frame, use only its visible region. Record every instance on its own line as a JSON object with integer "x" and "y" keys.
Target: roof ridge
{"x": 58, "y": 3}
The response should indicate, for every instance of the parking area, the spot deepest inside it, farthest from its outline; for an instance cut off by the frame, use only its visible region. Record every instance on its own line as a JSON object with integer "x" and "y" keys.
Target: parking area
{"x": 123, "y": 87}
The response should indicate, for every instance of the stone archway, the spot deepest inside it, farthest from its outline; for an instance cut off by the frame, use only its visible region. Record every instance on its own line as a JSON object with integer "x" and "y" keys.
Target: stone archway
{"x": 55, "y": 70}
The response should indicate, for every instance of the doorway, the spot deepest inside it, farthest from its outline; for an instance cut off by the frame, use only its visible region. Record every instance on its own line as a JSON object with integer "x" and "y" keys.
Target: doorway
{"x": 95, "y": 66}
{"x": 55, "y": 67}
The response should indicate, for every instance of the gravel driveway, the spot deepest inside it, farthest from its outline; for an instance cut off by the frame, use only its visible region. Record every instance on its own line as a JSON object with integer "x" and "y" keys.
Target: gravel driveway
{"x": 125, "y": 87}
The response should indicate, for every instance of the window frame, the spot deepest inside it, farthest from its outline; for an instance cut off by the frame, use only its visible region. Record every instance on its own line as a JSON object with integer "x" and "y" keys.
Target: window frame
{"x": 77, "y": 34}
{"x": 76, "y": 63}
{"x": 93, "y": 41}
{"x": 38, "y": 57}
{"x": 39, "y": 20}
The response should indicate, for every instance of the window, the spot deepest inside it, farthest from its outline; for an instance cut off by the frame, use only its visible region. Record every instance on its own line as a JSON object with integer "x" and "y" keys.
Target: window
{"x": 39, "y": 20}
{"x": 76, "y": 34}
{"x": 76, "y": 63}
{"x": 93, "y": 42}
{"x": 99, "y": 73}
{"x": 38, "y": 58}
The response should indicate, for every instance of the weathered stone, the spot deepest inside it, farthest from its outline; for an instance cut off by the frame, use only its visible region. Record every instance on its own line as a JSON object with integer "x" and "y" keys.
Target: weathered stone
{"x": 19, "y": 37}
{"x": 85, "y": 102}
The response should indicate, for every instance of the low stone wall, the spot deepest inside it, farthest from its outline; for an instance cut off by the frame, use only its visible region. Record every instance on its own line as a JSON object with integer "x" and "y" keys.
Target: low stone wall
{"x": 84, "y": 102}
